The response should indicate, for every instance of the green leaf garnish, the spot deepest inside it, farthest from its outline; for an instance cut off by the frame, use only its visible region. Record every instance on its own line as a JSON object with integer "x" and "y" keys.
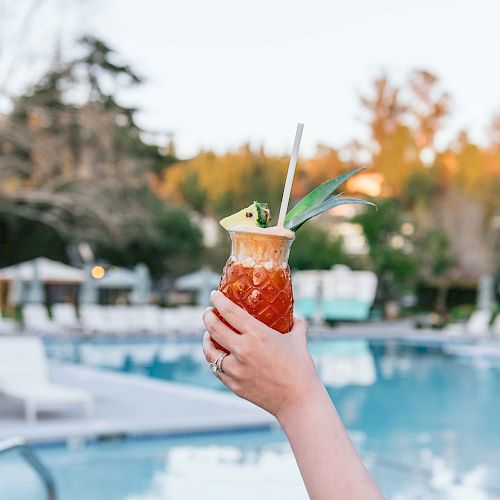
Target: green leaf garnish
{"x": 294, "y": 223}
{"x": 319, "y": 194}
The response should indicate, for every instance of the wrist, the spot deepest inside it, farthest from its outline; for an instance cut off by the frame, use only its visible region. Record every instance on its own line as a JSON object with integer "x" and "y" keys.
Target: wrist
{"x": 308, "y": 396}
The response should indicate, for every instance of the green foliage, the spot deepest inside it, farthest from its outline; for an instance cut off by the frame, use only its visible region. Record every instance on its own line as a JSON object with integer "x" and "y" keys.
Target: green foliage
{"x": 421, "y": 184}
{"x": 396, "y": 268}
{"x": 314, "y": 248}
{"x": 434, "y": 252}
{"x": 26, "y": 240}
{"x": 193, "y": 194}
{"x": 378, "y": 225}
{"x": 219, "y": 185}
{"x": 174, "y": 247}
{"x": 461, "y": 312}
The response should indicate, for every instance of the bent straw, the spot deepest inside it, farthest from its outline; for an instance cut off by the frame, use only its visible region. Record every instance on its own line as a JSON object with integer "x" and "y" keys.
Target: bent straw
{"x": 289, "y": 176}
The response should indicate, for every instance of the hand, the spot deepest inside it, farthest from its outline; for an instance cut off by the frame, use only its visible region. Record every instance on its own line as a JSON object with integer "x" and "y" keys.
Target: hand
{"x": 272, "y": 370}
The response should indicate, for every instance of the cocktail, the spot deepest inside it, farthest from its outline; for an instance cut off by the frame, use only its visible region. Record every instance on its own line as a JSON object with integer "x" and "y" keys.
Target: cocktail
{"x": 257, "y": 276}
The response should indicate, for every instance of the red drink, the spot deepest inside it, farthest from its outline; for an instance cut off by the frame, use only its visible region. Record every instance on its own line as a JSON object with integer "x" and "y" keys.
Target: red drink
{"x": 258, "y": 279}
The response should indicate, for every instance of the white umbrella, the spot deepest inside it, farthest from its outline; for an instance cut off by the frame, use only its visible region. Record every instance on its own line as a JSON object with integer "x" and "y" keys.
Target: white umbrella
{"x": 49, "y": 271}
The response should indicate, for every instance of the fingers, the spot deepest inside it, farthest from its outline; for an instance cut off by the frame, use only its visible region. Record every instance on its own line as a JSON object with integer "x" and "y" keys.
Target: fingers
{"x": 209, "y": 350}
{"x": 211, "y": 354}
{"x": 220, "y": 332}
{"x": 237, "y": 317}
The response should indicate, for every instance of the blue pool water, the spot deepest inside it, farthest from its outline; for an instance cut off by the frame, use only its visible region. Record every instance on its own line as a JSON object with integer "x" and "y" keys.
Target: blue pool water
{"x": 426, "y": 423}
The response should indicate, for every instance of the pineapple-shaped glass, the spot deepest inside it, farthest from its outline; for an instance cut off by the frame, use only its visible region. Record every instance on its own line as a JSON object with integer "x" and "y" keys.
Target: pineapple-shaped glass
{"x": 257, "y": 277}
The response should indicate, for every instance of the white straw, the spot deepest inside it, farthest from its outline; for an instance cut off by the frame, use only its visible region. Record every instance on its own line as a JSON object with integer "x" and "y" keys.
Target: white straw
{"x": 289, "y": 176}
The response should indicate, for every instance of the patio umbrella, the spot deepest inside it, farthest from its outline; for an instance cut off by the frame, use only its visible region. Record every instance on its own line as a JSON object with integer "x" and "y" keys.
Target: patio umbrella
{"x": 202, "y": 281}
{"x": 16, "y": 289}
{"x": 88, "y": 292}
{"x": 142, "y": 285}
{"x": 35, "y": 292}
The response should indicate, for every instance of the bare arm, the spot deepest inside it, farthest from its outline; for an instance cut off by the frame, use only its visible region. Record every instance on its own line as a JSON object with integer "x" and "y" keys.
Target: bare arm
{"x": 276, "y": 372}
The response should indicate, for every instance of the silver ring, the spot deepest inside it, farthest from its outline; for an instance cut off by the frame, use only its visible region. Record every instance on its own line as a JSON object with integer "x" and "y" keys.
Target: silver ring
{"x": 216, "y": 366}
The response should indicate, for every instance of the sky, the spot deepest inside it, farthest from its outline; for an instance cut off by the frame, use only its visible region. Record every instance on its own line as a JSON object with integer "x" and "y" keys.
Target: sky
{"x": 223, "y": 72}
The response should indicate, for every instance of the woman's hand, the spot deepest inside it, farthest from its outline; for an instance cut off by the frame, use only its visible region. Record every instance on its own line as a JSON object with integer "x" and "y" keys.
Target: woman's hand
{"x": 276, "y": 372}
{"x": 272, "y": 370}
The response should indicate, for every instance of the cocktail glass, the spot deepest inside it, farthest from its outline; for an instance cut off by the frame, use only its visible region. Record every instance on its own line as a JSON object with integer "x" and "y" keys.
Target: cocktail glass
{"x": 257, "y": 277}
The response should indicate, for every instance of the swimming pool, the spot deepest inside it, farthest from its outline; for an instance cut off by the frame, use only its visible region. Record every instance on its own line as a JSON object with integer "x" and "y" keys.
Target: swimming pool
{"x": 427, "y": 424}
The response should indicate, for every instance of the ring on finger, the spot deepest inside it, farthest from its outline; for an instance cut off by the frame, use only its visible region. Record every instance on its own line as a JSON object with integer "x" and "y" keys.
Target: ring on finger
{"x": 216, "y": 366}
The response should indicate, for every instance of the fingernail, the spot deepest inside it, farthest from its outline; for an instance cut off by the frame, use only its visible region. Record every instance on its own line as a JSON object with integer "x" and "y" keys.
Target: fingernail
{"x": 212, "y": 294}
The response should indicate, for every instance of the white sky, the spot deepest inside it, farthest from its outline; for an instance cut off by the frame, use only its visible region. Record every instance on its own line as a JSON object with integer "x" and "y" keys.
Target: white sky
{"x": 221, "y": 72}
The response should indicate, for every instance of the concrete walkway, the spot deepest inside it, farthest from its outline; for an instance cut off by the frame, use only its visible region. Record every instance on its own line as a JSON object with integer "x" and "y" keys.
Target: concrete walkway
{"x": 132, "y": 405}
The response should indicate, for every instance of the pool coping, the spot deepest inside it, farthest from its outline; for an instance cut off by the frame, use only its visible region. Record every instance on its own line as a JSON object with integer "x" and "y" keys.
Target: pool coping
{"x": 136, "y": 406}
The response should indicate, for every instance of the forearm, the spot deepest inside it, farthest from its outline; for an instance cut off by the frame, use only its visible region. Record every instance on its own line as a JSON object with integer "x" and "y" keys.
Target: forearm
{"x": 327, "y": 460}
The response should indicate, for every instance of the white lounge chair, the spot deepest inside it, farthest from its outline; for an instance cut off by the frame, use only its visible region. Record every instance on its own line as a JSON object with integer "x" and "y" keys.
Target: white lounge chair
{"x": 306, "y": 291}
{"x": 347, "y": 294}
{"x": 170, "y": 320}
{"x": 64, "y": 316}
{"x": 36, "y": 319}
{"x": 89, "y": 317}
{"x": 94, "y": 318}
{"x": 190, "y": 320}
{"x": 119, "y": 320}
{"x": 478, "y": 324}
{"x": 146, "y": 318}
{"x": 24, "y": 375}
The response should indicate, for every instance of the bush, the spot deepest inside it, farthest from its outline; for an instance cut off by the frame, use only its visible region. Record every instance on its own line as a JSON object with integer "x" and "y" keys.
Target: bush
{"x": 314, "y": 248}
{"x": 462, "y": 312}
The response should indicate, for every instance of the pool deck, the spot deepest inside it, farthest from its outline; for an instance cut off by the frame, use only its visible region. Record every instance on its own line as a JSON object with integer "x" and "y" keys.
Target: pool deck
{"x": 132, "y": 405}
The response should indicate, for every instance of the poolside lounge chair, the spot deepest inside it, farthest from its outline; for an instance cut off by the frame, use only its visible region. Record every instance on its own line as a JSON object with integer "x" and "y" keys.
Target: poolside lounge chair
{"x": 478, "y": 323}
{"x": 36, "y": 319}
{"x": 170, "y": 320}
{"x": 346, "y": 294}
{"x": 24, "y": 376}
{"x": 118, "y": 320}
{"x": 91, "y": 317}
{"x": 476, "y": 326}
{"x": 306, "y": 288}
{"x": 65, "y": 316}
{"x": 146, "y": 318}
{"x": 190, "y": 320}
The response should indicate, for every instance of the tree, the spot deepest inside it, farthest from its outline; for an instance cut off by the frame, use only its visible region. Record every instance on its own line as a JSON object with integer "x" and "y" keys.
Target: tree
{"x": 80, "y": 169}
{"x": 314, "y": 248}
{"x": 390, "y": 251}
{"x": 173, "y": 247}
{"x": 219, "y": 185}
{"x": 403, "y": 121}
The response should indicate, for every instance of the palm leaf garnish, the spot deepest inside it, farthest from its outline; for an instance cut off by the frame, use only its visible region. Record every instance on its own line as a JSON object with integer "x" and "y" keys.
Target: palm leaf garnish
{"x": 319, "y": 194}
{"x": 320, "y": 200}
{"x": 296, "y": 222}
